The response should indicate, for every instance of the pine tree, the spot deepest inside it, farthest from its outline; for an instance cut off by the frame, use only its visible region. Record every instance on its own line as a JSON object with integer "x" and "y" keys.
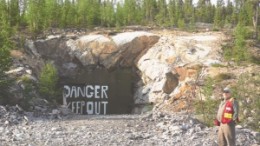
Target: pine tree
{"x": 162, "y": 14}
{"x": 172, "y": 12}
{"x": 255, "y": 5}
{"x": 130, "y": 12}
{"x": 189, "y": 12}
{"x": 239, "y": 51}
{"x": 88, "y": 11}
{"x": 229, "y": 12}
{"x": 72, "y": 14}
{"x": 23, "y": 11}
{"x": 149, "y": 10}
{"x": 14, "y": 12}
{"x": 67, "y": 14}
{"x": 48, "y": 82}
{"x": 120, "y": 20}
{"x": 205, "y": 11}
{"x": 180, "y": 14}
{"x": 243, "y": 17}
{"x": 107, "y": 14}
{"x": 211, "y": 13}
{"x": 36, "y": 15}
{"x": 219, "y": 15}
{"x": 5, "y": 46}
{"x": 53, "y": 13}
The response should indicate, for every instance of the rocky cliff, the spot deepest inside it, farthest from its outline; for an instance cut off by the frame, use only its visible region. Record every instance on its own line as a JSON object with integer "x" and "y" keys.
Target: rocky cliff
{"x": 164, "y": 63}
{"x": 163, "y": 66}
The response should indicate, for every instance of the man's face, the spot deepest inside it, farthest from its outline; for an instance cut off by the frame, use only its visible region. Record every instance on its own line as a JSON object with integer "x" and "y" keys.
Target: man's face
{"x": 226, "y": 95}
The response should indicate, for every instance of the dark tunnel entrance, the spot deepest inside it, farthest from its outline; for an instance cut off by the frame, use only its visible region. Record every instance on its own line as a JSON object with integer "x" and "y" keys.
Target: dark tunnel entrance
{"x": 100, "y": 92}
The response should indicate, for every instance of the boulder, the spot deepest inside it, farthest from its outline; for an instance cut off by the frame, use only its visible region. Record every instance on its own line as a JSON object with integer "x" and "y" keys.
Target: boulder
{"x": 131, "y": 46}
{"x": 91, "y": 49}
{"x": 94, "y": 50}
{"x": 121, "y": 49}
{"x": 171, "y": 83}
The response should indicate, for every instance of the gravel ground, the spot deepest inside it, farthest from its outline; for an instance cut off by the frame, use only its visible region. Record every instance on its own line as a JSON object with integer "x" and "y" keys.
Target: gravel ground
{"x": 159, "y": 129}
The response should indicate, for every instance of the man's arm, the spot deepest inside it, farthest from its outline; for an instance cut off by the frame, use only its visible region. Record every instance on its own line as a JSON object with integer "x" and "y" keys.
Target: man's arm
{"x": 236, "y": 110}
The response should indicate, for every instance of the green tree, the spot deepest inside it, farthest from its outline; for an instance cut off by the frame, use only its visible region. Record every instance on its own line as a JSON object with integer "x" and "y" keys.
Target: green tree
{"x": 162, "y": 15}
{"x": 172, "y": 12}
{"x": 244, "y": 16}
{"x": 149, "y": 10}
{"x": 48, "y": 82}
{"x": 180, "y": 14}
{"x": 130, "y": 12}
{"x": 119, "y": 15}
{"x": 205, "y": 11}
{"x": 240, "y": 53}
{"x": 255, "y": 8}
{"x": 107, "y": 14}
{"x": 23, "y": 11}
{"x": 5, "y": 46}
{"x": 208, "y": 106}
{"x": 14, "y": 12}
{"x": 219, "y": 15}
{"x": 189, "y": 15}
{"x": 88, "y": 11}
{"x": 53, "y": 13}
{"x": 36, "y": 15}
{"x": 229, "y": 12}
{"x": 69, "y": 15}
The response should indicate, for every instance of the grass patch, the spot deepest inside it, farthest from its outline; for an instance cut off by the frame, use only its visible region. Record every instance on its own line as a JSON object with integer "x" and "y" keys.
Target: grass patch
{"x": 224, "y": 76}
{"x": 218, "y": 65}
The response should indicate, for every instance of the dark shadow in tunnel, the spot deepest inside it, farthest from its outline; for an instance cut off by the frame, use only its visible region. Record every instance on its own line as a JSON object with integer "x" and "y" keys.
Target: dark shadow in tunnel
{"x": 117, "y": 97}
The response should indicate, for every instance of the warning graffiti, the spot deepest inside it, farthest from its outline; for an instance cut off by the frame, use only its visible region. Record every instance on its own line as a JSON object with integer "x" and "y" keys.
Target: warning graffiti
{"x": 87, "y": 99}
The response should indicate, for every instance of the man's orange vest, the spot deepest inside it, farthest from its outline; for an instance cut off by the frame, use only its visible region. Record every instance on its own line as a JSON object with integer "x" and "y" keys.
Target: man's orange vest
{"x": 227, "y": 116}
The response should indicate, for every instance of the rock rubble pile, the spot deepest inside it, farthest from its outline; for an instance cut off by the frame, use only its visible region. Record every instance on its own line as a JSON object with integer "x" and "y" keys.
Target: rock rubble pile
{"x": 151, "y": 129}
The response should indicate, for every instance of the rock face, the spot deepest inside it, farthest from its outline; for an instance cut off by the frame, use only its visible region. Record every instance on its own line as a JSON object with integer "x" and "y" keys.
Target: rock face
{"x": 72, "y": 56}
{"x": 171, "y": 65}
{"x": 96, "y": 59}
{"x": 96, "y": 50}
{"x": 166, "y": 62}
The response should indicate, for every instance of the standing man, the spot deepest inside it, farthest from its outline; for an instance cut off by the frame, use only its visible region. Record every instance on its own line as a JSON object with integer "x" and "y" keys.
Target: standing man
{"x": 227, "y": 116}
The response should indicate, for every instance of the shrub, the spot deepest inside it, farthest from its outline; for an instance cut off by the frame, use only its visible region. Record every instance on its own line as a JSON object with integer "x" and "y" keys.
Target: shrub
{"x": 240, "y": 52}
{"x": 237, "y": 50}
{"x": 5, "y": 59}
{"x": 247, "y": 92}
{"x": 227, "y": 51}
{"x": 5, "y": 83}
{"x": 29, "y": 87}
{"x": 208, "y": 107}
{"x": 48, "y": 82}
{"x": 181, "y": 24}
